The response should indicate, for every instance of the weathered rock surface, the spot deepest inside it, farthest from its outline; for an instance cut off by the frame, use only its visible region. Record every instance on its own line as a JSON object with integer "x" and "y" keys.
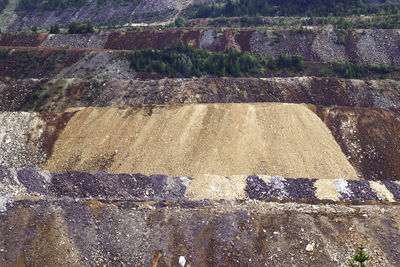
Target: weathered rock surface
{"x": 310, "y": 90}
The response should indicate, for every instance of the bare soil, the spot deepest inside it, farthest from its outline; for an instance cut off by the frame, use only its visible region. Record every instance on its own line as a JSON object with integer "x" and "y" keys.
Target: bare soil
{"x": 192, "y": 140}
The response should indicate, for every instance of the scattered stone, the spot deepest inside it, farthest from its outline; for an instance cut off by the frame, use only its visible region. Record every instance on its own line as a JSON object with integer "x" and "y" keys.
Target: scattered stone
{"x": 310, "y": 247}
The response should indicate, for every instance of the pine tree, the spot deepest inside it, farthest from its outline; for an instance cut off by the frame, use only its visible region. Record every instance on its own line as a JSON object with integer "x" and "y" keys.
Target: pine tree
{"x": 360, "y": 257}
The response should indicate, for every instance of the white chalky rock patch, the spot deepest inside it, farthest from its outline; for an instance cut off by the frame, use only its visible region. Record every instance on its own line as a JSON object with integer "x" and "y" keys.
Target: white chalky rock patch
{"x": 341, "y": 186}
{"x": 4, "y": 200}
{"x": 277, "y": 183}
{"x": 185, "y": 181}
{"x": 182, "y": 261}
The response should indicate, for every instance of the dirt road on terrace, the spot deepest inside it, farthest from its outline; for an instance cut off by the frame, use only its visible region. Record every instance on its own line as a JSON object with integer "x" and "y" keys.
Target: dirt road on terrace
{"x": 192, "y": 140}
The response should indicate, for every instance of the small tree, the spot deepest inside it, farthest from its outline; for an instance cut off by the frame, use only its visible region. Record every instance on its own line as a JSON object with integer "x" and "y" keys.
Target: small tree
{"x": 360, "y": 257}
{"x": 55, "y": 29}
{"x": 180, "y": 22}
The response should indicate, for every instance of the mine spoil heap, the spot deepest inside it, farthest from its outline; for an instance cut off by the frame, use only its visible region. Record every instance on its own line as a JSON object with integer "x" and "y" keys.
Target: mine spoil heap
{"x": 102, "y": 165}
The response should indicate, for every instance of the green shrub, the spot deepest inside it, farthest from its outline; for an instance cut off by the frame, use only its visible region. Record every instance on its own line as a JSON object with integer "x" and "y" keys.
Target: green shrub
{"x": 180, "y": 22}
{"x": 286, "y": 62}
{"x": 379, "y": 68}
{"x": 359, "y": 258}
{"x": 55, "y": 29}
{"x": 349, "y": 70}
{"x": 4, "y": 52}
{"x": 77, "y": 27}
{"x": 341, "y": 37}
{"x": 308, "y": 8}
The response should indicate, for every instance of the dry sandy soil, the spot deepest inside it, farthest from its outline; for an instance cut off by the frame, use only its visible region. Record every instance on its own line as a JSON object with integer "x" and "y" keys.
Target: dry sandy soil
{"x": 192, "y": 140}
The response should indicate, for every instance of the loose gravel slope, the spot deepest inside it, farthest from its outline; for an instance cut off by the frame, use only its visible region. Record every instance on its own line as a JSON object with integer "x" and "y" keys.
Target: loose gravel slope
{"x": 191, "y": 140}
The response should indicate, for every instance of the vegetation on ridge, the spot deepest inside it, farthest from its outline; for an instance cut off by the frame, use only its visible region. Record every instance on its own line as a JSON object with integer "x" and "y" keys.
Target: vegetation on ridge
{"x": 315, "y": 8}
{"x": 59, "y": 5}
{"x": 179, "y": 60}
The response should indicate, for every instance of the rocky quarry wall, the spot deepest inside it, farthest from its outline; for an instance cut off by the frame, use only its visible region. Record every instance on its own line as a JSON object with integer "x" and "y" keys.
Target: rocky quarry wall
{"x": 370, "y": 46}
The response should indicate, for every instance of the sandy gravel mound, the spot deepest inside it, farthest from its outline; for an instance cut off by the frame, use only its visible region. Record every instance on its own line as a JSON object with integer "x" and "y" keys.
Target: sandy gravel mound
{"x": 192, "y": 140}
{"x": 217, "y": 187}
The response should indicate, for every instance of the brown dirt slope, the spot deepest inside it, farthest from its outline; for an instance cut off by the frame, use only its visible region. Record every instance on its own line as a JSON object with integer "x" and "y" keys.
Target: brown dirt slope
{"x": 152, "y": 39}
{"x": 10, "y": 39}
{"x": 223, "y": 139}
{"x": 369, "y": 138}
{"x": 119, "y": 92}
{"x": 37, "y": 63}
{"x": 89, "y": 232}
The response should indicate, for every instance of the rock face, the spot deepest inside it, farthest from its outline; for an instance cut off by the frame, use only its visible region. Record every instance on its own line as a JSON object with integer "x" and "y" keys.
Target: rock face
{"x": 310, "y": 90}
{"x": 120, "y": 219}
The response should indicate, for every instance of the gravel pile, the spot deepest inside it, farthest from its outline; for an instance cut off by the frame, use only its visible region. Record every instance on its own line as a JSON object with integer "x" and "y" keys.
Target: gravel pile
{"x": 96, "y": 40}
{"x": 101, "y": 185}
{"x": 325, "y": 47}
{"x": 280, "y": 188}
{"x": 103, "y": 65}
{"x": 378, "y": 47}
{"x": 393, "y": 187}
{"x": 20, "y": 140}
{"x": 87, "y": 232}
{"x": 149, "y": 6}
{"x": 273, "y": 43}
{"x": 137, "y": 187}
{"x": 9, "y": 183}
